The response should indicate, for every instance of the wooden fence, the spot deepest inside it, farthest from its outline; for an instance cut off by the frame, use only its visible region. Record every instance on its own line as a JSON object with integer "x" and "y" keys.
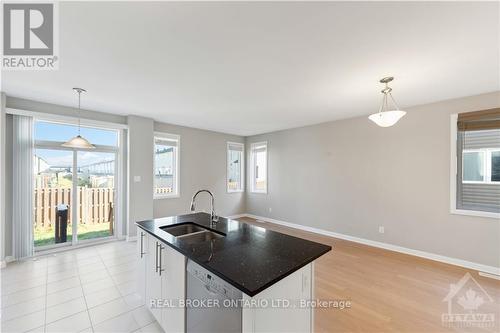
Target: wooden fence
{"x": 163, "y": 190}
{"x": 94, "y": 205}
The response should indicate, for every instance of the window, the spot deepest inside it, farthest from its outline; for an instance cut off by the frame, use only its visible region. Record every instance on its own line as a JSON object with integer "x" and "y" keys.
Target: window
{"x": 475, "y": 180}
{"x": 481, "y": 166}
{"x": 166, "y": 165}
{"x": 58, "y": 132}
{"x": 235, "y": 166}
{"x": 495, "y": 166}
{"x": 259, "y": 167}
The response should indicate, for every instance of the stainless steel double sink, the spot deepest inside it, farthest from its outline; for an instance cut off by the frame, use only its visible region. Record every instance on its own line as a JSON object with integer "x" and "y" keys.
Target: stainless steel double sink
{"x": 192, "y": 233}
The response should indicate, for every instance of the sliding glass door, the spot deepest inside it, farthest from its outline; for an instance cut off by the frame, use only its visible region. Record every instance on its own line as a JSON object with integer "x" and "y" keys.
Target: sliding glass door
{"x": 96, "y": 194}
{"x": 74, "y": 192}
{"x": 52, "y": 204}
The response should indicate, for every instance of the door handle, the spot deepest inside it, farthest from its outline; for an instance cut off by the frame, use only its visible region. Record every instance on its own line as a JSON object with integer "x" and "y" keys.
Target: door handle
{"x": 156, "y": 257}
{"x": 142, "y": 244}
{"x": 160, "y": 268}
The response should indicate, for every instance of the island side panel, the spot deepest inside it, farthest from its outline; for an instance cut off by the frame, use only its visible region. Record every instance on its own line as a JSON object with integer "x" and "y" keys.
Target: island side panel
{"x": 313, "y": 295}
{"x": 295, "y": 287}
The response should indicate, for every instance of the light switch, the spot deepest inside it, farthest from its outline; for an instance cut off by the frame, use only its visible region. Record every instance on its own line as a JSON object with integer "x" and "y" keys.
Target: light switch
{"x": 137, "y": 179}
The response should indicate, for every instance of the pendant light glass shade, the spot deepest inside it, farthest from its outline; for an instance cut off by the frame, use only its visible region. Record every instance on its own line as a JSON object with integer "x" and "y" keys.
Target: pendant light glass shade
{"x": 78, "y": 141}
{"x": 387, "y": 117}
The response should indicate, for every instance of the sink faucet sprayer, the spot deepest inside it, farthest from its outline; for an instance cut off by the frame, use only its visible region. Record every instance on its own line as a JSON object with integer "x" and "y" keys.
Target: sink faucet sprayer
{"x": 213, "y": 216}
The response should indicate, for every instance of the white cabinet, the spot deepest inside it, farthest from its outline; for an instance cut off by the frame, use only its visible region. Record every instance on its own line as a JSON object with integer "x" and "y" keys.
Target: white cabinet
{"x": 282, "y": 318}
{"x": 142, "y": 252}
{"x": 173, "y": 289}
{"x": 164, "y": 282}
{"x": 153, "y": 277}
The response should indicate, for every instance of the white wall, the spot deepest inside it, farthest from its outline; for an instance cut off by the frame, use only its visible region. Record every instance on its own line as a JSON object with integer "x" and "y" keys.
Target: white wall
{"x": 203, "y": 166}
{"x": 351, "y": 177}
{"x": 26, "y": 104}
{"x": 140, "y": 164}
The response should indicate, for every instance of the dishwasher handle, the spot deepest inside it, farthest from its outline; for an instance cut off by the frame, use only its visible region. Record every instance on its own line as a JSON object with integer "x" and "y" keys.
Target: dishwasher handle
{"x": 209, "y": 290}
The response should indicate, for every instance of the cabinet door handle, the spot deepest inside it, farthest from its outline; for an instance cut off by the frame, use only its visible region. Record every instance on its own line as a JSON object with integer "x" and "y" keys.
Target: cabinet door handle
{"x": 156, "y": 257}
{"x": 142, "y": 244}
{"x": 161, "y": 269}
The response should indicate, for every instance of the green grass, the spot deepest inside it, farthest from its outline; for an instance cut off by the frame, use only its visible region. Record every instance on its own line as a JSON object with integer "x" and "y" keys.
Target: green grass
{"x": 85, "y": 231}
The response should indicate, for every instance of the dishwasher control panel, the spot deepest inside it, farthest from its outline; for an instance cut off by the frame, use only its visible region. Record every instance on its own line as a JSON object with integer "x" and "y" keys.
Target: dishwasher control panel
{"x": 212, "y": 282}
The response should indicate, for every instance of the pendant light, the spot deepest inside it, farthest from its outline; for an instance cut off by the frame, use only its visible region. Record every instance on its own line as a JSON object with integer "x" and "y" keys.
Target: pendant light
{"x": 78, "y": 141}
{"x": 386, "y": 116}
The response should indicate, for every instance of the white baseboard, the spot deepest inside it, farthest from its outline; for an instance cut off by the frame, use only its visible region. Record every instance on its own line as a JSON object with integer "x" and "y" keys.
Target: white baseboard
{"x": 386, "y": 246}
{"x": 131, "y": 238}
{"x": 491, "y": 276}
{"x": 7, "y": 260}
{"x": 237, "y": 216}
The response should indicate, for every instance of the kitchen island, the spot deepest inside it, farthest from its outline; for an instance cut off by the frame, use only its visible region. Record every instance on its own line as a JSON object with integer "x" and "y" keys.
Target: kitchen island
{"x": 268, "y": 273}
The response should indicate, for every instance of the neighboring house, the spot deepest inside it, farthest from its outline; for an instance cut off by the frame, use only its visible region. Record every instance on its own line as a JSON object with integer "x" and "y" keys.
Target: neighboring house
{"x": 39, "y": 165}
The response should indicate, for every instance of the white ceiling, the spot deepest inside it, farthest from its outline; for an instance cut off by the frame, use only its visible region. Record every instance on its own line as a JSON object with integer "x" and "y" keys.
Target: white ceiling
{"x": 248, "y": 68}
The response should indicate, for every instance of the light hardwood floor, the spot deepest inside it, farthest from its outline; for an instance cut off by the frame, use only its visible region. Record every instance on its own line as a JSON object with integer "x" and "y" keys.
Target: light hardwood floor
{"x": 389, "y": 291}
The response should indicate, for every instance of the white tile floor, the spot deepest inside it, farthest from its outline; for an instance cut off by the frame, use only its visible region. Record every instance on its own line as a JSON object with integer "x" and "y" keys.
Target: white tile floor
{"x": 89, "y": 289}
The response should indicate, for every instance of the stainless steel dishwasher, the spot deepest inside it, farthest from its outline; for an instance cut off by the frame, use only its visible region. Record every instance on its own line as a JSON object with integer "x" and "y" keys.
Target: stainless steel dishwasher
{"x": 205, "y": 291}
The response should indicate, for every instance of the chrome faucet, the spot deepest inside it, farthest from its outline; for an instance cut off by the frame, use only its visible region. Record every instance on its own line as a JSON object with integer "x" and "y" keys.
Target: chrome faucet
{"x": 213, "y": 216}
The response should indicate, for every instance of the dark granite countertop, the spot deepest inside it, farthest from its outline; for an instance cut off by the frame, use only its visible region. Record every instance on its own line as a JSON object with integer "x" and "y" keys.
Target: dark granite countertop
{"x": 250, "y": 257}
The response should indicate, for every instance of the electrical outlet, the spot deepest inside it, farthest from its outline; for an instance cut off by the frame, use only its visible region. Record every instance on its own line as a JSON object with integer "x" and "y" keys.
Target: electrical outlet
{"x": 137, "y": 179}
{"x": 381, "y": 229}
{"x": 270, "y": 210}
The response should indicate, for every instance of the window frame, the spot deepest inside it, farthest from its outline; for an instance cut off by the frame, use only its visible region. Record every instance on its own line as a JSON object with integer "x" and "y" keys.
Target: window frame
{"x": 453, "y": 176}
{"x": 176, "y": 176}
{"x": 242, "y": 167}
{"x": 252, "y": 168}
{"x": 50, "y": 144}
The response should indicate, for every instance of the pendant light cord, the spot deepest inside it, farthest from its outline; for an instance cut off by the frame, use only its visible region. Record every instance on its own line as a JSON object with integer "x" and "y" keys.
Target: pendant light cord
{"x": 387, "y": 91}
{"x": 78, "y": 112}
{"x": 381, "y": 109}
{"x": 79, "y": 91}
